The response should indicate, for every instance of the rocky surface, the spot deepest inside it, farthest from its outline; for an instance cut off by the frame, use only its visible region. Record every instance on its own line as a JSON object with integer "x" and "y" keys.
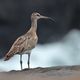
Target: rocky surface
{"x": 51, "y": 73}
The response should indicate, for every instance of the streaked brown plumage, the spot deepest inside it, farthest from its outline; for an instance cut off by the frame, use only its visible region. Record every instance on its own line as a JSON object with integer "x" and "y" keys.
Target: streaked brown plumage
{"x": 26, "y": 42}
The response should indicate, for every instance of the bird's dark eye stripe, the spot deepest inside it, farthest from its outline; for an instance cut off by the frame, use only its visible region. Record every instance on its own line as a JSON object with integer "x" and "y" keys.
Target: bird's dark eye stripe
{"x": 38, "y": 15}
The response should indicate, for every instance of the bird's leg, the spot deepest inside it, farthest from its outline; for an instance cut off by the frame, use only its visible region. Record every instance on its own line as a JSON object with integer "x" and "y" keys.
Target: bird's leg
{"x": 21, "y": 60}
{"x": 28, "y": 60}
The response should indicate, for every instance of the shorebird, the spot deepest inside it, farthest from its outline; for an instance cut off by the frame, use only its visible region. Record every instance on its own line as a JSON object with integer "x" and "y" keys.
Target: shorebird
{"x": 26, "y": 42}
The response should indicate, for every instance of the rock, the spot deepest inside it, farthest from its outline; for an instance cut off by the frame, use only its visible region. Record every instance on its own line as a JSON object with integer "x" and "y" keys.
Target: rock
{"x": 50, "y": 73}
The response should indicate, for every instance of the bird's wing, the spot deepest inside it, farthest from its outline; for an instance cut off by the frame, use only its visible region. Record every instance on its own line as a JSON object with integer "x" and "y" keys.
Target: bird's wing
{"x": 16, "y": 47}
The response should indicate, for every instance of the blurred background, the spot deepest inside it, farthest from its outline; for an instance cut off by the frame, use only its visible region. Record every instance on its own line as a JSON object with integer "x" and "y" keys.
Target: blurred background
{"x": 59, "y": 43}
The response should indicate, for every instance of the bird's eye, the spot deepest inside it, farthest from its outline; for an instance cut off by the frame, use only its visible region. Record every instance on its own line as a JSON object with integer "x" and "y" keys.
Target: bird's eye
{"x": 38, "y": 15}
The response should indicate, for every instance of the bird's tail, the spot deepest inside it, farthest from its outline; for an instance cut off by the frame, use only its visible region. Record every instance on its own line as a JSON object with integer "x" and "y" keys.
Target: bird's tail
{"x": 8, "y": 56}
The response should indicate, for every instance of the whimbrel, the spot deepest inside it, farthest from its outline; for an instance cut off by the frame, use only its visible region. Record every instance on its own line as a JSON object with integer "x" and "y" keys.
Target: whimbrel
{"x": 26, "y": 42}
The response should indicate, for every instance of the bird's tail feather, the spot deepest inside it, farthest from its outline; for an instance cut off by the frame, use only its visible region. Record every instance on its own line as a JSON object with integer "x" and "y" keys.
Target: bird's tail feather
{"x": 8, "y": 56}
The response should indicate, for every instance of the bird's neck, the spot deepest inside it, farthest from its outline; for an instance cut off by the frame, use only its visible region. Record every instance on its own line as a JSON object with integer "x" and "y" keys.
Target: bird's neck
{"x": 34, "y": 25}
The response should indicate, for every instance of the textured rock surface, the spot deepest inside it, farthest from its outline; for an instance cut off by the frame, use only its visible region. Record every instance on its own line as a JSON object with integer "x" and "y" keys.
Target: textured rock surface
{"x": 51, "y": 73}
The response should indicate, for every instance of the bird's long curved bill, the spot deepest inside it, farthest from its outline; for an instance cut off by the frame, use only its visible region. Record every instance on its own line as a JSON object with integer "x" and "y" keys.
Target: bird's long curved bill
{"x": 45, "y": 17}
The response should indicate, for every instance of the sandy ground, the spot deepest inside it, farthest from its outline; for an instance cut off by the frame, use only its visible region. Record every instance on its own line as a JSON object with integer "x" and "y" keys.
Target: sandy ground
{"x": 52, "y": 73}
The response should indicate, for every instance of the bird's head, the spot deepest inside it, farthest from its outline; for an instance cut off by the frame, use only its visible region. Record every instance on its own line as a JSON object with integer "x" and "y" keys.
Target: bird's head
{"x": 37, "y": 16}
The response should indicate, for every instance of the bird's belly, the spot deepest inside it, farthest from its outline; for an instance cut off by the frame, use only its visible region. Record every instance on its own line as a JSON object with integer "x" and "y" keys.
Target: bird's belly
{"x": 27, "y": 52}
{"x": 30, "y": 44}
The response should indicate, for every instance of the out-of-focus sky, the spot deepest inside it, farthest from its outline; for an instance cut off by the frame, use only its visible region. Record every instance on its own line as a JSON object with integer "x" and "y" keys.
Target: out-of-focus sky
{"x": 60, "y": 40}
